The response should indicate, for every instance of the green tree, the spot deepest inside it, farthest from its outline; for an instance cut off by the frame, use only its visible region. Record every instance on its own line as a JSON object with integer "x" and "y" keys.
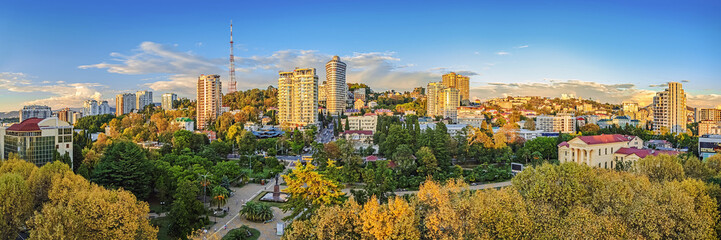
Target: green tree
{"x": 257, "y": 212}
{"x": 124, "y": 165}
{"x": 660, "y": 168}
{"x": 220, "y": 195}
{"x": 246, "y": 143}
{"x": 185, "y": 211}
{"x": 427, "y": 160}
{"x": 404, "y": 158}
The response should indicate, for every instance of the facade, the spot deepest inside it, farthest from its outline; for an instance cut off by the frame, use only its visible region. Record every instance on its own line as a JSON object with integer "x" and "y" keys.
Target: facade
{"x": 457, "y": 81}
{"x": 633, "y": 154}
{"x": 35, "y": 111}
{"x": 433, "y": 106}
{"x": 451, "y": 102}
{"x": 336, "y": 86}
{"x": 709, "y": 145}
{"x": 708, "y": 114}
{"x": 298, "y": 97}
{"x": 359, "y": 104}
{"x": 359, "y": 93}
{"x": 142, "y": 99}
{"x": 358, "y": 136}
{"x": 36, "y": 140}
{"x": 66, "y": 115}
{"x": 630, "y": 108}
{"x": 367, "y": 122}
{"x": 210, "y": 99}
{"x": 124, "y": 103}
{"x": 323, "y": 93}
{"x": 669, "y": 109}
{"x": 185, "y": 123}
{"x": 562, "y": 124}
{"x": 92, "y": 107}
{"x": 596, "y": 151}
{"x": 166, "y": 101}
{"x": 706, "y": 127}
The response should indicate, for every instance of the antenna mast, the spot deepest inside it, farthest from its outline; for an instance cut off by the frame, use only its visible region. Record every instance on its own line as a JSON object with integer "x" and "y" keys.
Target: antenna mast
{"x": 232, "y": 86}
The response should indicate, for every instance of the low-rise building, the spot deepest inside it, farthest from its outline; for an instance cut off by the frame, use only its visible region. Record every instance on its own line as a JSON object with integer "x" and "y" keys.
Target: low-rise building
{"x": 596, "y": 151}
{"x": 359, "y": 104}
{"x": 358, "y": 136}
{"x": 633, "y": 154}
{"x": 36, "y": 140}
{"x": 185, "y": 123}
{"x": 366, "y": 122}
{"x": 563, "y": 124}
{"x": 709, "y": 145}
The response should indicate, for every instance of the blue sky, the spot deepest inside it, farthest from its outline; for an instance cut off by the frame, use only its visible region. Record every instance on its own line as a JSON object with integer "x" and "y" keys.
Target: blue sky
{"x": 61, "y": 53}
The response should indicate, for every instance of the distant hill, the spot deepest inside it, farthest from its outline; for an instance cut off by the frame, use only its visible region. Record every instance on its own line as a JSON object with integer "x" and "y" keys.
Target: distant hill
{"x": 11, "y": 114}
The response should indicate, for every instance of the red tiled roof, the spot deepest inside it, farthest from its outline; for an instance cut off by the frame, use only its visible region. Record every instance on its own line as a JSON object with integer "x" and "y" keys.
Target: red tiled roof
{"x": 605, "y": 138}
{"x": 28, "y": 125}
{"x": 369, "y": 114}
{"x": 642, "y": 153}
{"x": 563, "y": 144}
{"x": 363, "y": 132}
{"x": 580, "y": 118}
{"x": 371, "y": 158}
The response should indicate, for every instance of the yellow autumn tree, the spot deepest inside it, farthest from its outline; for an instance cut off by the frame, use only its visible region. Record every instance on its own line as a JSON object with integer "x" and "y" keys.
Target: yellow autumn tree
{"x": 15, "y": 204}
{"x": 309, "y": 189}
{"x": 78, "y": 209}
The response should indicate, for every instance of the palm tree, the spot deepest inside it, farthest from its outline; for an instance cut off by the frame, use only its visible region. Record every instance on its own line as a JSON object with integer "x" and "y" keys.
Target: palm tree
{"x": 220, "y": 195}
{"x": 257, "y": 212}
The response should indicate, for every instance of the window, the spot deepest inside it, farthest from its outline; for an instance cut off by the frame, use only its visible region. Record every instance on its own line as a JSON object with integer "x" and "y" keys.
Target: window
{"x": 605, "y": 164}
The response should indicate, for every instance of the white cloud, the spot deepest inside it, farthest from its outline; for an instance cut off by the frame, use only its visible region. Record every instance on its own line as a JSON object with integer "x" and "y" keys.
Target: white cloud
{"x": 501, "y": 53}
{"x": 61, "y": 94}
{"x": 523, "y": 46}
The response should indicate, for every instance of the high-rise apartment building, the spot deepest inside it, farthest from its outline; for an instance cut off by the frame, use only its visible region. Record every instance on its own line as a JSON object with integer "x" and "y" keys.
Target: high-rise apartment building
{"x": 36, "y": 140}
{"x": 630, "y": 107}
{"x": 323, "y": 93}
{"x": 433, "y": 106}
{"x": 142, "y": 99}
{"x": 451, "y": 102}
{"x": 457, "y": 81}
{"x": 92, "y": 107}
{"x": 298, "y": 97}
{"x": 669, "y": 109}
{"x": 708, "y": 114}
{"x": 35, "y": 111}
{"x": 124, "y": 103}
{"x": 336, "y": 86}
{"x": 66, "y": 115}
{"x": 442, "y": 101}
{"x": 210, "y": 99}
{"x": 166, "y": 102}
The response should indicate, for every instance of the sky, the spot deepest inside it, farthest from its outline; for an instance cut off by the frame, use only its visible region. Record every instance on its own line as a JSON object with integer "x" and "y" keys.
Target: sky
{"x": 60, "y": 53}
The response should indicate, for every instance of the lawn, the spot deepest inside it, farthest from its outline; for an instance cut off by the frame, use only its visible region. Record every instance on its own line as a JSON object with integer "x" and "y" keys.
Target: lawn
{"x": 255, "y": 232}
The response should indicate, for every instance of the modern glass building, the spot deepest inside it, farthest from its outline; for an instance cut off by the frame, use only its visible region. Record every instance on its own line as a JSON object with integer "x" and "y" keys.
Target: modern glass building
{"x": 36, "y": 140}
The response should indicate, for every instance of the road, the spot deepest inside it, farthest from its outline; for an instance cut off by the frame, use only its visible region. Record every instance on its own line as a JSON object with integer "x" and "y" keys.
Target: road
{"x": 325, "y": 135}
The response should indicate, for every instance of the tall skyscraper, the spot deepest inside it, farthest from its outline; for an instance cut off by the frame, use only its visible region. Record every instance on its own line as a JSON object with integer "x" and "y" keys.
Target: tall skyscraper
{"x": 210, "y": 99}
{"x": 336, "y": 86}
{"x": 166, "y": 102}
{"x": 451, "y": 102}
{"x": 323, "y": 93}
{"x": 669, "y": 109}
{"x": 124, "y": 103}
{"x": 433, "y": 106}
{"x": 457, "y": 81}
{"x": 142, "y": 99}
{"x": 35, "y": 111}
{"x": 298, "y": 97}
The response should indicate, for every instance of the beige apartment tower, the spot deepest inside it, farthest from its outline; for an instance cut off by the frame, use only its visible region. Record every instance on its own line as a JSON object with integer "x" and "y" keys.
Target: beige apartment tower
{"x": 210, "y": 99}
{"x": 442, "y": 101}
{"x": 433, "y": 105}
{"x": 457, "y": 81}
{"x": 124, "y": 103}
{"x": 298, "y": 97}
{"x": 335, "y": 86}
{"x": 669, "y": 109}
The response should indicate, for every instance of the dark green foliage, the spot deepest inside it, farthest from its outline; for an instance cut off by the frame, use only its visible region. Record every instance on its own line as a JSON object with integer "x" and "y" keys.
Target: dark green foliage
{"x": 124, "y": 165}
{"x": 185, "y": 211}
{"x": 93, "y": 123}
{"x": 242, "y": 233}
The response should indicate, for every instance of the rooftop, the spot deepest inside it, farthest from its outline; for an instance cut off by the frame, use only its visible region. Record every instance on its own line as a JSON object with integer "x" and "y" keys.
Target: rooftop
{"x": 27, "y": 125}
{"x": 605, "y": 138}
{"x": 642, "y": 153}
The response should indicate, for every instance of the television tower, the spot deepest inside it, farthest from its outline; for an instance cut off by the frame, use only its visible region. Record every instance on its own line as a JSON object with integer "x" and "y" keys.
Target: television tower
{"x": 232, "y": 86}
